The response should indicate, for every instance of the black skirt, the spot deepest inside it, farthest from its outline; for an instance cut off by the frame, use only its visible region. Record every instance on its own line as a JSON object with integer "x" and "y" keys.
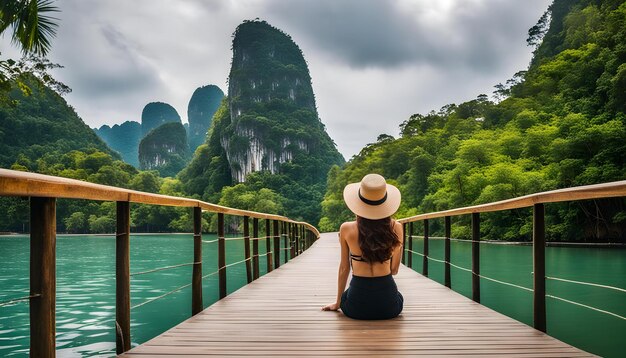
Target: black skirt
{"x": 372, "y": 298}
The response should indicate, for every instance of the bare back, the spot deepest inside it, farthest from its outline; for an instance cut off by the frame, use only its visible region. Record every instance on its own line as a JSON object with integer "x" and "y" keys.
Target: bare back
{"x": 349, "y": 236}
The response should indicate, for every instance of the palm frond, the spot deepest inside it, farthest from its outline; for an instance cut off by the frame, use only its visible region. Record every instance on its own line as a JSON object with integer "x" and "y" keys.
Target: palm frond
{"x": 32, "y": 26}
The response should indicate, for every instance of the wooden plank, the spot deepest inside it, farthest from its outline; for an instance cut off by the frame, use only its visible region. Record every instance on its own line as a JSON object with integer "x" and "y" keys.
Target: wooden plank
{"x": 279, "y": 315}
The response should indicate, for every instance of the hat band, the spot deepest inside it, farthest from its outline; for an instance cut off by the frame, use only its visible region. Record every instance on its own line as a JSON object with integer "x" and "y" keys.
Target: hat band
{"x": 372, "y": 202}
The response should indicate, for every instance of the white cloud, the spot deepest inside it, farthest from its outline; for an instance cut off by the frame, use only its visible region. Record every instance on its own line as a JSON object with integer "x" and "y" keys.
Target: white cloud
{"x": 373, "y": 63}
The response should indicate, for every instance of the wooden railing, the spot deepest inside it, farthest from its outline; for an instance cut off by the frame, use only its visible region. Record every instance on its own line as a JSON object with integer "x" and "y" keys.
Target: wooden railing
{"x": 43, "y": 190}
{"x": 536, "y": 201}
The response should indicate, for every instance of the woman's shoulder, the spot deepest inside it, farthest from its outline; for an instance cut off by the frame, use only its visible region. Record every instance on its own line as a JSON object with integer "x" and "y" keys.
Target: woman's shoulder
{"x": 348, "y": 231}
{"x": 348, "y": 226}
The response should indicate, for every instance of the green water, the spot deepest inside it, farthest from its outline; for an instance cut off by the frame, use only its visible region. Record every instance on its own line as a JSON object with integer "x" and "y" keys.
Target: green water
{"x": 586, "y": 329}
{"x": 86, "y": 289}
{"x": 85, "y": 306}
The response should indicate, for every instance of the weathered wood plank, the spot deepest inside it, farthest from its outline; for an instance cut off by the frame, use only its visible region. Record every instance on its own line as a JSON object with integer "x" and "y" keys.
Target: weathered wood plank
{"x": 279, "y": 315}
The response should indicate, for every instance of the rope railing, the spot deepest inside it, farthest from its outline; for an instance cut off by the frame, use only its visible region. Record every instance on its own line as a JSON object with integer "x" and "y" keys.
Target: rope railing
{"x": 161, "y": 296}
{"x": 163, "y": 268}
{"x": 210, "y": 274}
{"x": 233, "y": 238}
{"x": 587, "y": 306}
{"x": 469, "y": 241}
{"x": 619, "y": 289}
{"x": 209, "y": 241}
{"x": 531, "y": 290}
{"x": 235, "y": 263}
{"x": 537, "y": 202}
{"x": 17, "y": 300}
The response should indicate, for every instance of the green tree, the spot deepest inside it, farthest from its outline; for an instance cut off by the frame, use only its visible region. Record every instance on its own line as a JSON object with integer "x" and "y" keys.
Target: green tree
{"x": 77, "y": 223}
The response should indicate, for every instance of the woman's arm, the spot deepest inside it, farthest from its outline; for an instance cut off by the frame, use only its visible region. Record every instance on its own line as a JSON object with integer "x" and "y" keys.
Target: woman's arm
{"x": 343, "y": 272}
{"x": 397, "y": 253}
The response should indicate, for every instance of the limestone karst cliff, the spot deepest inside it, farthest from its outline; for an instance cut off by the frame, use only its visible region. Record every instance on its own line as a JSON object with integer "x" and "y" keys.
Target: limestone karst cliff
{"x": 164, "y": 149}
{"x": 155, "y": 114}
{"x": 271, "y": 103}
{"x": 268, "y": 124}
{"x": 202, "y": 106}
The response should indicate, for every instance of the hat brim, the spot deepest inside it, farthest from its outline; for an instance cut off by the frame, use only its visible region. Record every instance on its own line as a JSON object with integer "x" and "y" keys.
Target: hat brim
{"x": 372, "y": 212}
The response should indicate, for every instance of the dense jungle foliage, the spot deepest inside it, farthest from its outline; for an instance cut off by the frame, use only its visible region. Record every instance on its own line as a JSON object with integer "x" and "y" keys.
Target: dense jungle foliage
{"x": 559, "y": 124}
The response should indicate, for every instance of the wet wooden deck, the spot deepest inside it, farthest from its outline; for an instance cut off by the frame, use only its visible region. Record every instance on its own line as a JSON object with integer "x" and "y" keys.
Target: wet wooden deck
{"x": 279, "y": 315}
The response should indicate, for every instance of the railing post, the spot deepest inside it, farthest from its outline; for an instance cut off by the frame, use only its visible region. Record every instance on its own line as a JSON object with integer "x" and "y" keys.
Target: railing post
{"x": 476, "y": 257}
{"x": 404, "y": 254}
{"x": 410, "y": 258}
{"x": 42, "y": 276}
{"x": 255, "y": 248}
{"x": 446, "y": 253}
{"x": 283, "y": 229}
{"x": 268, "y": 245}
{"x": 196, "y": 279}
{"x": 539, "y": 267}
{"x": 276, "y": 245}
{"x": 292, "y": 240}
{"x": 296, "y": 239}
{"x": 122, "y": 278}
{"x": 246, "y": 247}
{"x": 221, "y": 255}
{"x": 425, "y": 262}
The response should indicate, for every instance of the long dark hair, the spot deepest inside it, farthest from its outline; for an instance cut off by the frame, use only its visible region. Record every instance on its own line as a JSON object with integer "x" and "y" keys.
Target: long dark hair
{"x": 377, "y": 239}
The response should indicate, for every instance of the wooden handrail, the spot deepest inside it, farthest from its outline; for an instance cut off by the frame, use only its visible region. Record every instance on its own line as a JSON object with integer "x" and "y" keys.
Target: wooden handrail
{"x": 536, "y": 201}
{"x": 596, "y": 191}
{"x": 17, "y": 183}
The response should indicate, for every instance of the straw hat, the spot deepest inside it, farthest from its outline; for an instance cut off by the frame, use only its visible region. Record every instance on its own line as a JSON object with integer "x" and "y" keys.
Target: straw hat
{"x": 372, "y": 198}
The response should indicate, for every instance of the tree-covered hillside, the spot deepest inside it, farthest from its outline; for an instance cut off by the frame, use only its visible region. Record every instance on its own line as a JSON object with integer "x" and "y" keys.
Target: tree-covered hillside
{"x": 40, "y": 124}
{"x": 123, "y": 138}
{"x": 559, "y": 124}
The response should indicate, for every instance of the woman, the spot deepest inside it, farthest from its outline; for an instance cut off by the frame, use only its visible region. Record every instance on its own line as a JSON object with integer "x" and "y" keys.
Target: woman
{"x": 371, "y": 246}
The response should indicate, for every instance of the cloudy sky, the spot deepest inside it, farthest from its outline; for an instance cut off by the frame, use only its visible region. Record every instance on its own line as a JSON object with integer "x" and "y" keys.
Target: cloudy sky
{"x": 373, "y": 62}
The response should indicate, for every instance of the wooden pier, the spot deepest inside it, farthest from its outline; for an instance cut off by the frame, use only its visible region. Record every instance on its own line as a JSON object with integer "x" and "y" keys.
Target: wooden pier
{"x": 279, "y": 315}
